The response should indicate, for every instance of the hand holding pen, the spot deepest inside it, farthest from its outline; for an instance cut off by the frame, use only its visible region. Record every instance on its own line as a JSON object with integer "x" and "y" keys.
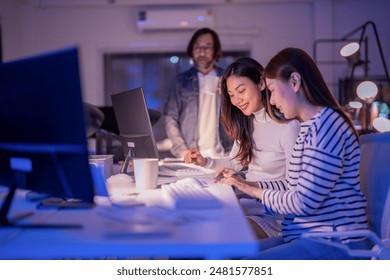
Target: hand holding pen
{"x": 235, "y": 179}
{"x": 227, "y": 173}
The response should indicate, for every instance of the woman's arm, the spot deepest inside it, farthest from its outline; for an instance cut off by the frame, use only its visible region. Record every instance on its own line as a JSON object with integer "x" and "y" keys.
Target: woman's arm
{"x": 250, "y": 188}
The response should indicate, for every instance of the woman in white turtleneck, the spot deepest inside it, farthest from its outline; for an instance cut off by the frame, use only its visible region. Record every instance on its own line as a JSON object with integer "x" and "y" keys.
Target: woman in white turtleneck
{"x": 261, "y": 145}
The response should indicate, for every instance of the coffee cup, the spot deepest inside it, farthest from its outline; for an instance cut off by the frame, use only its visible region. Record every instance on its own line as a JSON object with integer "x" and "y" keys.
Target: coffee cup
{"x": 145, "y": 173}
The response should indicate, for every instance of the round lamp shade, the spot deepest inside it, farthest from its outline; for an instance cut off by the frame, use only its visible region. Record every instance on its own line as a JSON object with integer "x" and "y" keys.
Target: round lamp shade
{"x": 381, "y": 124}
{"x": 356, "y": 104}
{"x": 367, "y": 90}
{"x": 349, "y": 49}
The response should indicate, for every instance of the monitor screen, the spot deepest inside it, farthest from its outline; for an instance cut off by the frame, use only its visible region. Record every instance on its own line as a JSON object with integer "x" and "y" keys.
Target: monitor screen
{"x": 134, "y": 123}
{"x": 42, "y": 124}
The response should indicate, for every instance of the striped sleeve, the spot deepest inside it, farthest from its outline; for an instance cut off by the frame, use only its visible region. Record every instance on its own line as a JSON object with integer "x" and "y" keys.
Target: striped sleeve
{"x": 318, "y": 165}
{"x": 274, "y": 185}
{"x": 319, "y": 172}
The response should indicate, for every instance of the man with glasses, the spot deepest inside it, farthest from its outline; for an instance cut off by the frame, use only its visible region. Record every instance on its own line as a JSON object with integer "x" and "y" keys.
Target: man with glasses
{"x": 192, "y": 108}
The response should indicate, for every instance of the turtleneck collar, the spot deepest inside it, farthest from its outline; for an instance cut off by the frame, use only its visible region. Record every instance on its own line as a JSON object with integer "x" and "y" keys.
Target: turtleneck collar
{"x": 260, "y": 116}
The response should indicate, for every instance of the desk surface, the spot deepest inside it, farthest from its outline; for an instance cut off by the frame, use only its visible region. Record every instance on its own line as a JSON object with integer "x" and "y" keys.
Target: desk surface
{"x": 156, "y": 230}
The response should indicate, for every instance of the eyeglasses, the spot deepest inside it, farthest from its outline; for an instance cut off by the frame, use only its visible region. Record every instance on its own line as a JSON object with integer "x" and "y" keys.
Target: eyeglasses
{"x": 199, "y": 49}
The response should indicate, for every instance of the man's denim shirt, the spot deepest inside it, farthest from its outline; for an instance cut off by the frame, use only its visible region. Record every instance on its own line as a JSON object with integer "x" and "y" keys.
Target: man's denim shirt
{"x": 181, "y": 112}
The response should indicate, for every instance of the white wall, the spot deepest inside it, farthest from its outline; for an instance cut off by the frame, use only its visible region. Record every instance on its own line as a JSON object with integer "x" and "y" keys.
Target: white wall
{"x": 262, "y": 26}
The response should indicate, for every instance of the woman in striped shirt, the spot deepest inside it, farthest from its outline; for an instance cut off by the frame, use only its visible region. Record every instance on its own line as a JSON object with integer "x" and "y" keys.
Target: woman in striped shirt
{"x": 261, "y": 145}
{"x": 322, "y": 191}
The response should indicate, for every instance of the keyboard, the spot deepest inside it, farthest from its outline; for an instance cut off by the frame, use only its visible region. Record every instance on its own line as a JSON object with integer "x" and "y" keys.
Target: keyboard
{"x": 179, "y": 170}
{"x": 189, "y": 193}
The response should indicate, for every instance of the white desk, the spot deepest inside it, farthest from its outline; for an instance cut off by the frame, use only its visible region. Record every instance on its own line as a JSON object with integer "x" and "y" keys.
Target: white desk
{"x": 209, "y": 234}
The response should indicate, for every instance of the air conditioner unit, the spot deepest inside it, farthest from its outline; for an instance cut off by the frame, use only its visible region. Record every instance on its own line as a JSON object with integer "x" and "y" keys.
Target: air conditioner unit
{"x": 184, "y": 19}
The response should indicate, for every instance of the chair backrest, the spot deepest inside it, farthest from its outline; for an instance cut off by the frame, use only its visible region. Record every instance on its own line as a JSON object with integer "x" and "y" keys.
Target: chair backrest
{"x": 375, "y": 180}
{"x": 386, "y": 217}
{"x": 109, "y": 121}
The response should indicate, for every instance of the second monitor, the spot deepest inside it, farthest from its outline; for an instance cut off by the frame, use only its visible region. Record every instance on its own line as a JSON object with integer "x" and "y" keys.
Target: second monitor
{"x": 134, "y": 124}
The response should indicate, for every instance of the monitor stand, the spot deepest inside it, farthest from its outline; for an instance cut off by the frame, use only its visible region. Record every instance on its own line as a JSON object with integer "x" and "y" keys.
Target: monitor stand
{"x": 5, "y": 222}
{"x": 130, "y": 155}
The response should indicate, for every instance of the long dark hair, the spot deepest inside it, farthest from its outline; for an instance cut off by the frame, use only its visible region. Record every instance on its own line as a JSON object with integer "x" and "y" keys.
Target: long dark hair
{"x": 313, "y": 84}
{"x": 217, "y": 52}
{"x": 238, "y": 126}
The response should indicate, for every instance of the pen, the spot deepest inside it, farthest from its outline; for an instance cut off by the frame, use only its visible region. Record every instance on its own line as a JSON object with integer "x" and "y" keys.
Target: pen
{"x": 242, "y": 172}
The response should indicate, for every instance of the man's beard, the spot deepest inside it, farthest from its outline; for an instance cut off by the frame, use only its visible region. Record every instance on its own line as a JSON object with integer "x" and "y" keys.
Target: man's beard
{"x": 203, "y": 66}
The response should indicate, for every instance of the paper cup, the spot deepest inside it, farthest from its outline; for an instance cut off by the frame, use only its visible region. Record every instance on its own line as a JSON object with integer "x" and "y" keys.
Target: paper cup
{"x": 145, "y": 173}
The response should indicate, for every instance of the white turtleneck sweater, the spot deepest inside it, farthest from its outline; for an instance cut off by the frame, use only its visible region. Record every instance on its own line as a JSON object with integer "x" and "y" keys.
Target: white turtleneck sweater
{"x": 274, "y": 143}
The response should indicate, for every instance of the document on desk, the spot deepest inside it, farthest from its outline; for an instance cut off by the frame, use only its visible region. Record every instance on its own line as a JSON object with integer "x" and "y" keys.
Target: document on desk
{"x": 166, "y": 179}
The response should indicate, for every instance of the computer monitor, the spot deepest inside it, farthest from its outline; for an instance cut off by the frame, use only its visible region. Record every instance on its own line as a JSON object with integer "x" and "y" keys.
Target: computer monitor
{"x": 43, "y": 144}
{"x": 134, "y": 125}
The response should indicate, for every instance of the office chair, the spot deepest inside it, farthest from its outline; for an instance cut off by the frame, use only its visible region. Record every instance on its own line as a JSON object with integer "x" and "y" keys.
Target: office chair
{"x": 94, "y": 118}
{"x": 107, "y": 139}
{"x": 375, "y": 184}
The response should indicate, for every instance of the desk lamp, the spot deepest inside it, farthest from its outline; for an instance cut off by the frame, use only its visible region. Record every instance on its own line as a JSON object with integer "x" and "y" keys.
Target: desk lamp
{"x": 366, "y": 90}
{"x": 351, "y": 52}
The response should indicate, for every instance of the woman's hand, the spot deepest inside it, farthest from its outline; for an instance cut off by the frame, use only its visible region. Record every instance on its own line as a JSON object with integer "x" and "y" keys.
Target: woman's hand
{"x": 223, "y": 173}
{"x": 195, "y": 157}
{"x": 230, "y": 177}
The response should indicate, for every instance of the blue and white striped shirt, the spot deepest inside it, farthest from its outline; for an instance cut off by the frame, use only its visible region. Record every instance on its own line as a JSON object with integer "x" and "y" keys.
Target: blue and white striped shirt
{"x": 322, "y": 190}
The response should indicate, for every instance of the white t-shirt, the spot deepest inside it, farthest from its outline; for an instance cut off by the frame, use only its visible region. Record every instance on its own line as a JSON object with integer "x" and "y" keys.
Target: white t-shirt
{"x": 209, "y": 143}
